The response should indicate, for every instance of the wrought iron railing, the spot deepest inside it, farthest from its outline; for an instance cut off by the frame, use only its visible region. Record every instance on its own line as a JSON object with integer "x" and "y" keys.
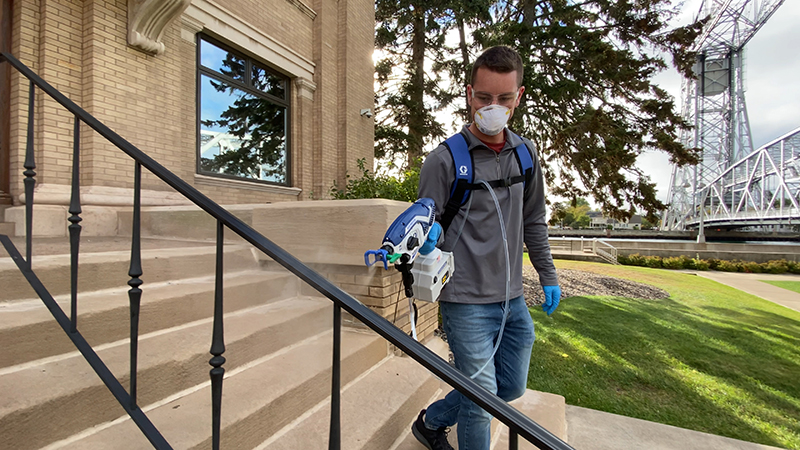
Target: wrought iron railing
{"x": 519, "y": 425}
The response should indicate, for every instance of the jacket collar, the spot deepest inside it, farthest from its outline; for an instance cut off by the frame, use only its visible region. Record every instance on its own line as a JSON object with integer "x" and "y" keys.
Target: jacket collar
{"x": 512, "y": 139}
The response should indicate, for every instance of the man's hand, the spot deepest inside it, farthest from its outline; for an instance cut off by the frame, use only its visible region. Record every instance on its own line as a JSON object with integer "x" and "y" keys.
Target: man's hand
{"x": 552, "y": 295}
{"x": 433, "y": 238}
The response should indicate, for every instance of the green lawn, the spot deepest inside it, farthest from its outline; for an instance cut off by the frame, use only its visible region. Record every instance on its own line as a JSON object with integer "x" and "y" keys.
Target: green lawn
{"x": 709, "y": 358}
{"x": 790, "y": 285}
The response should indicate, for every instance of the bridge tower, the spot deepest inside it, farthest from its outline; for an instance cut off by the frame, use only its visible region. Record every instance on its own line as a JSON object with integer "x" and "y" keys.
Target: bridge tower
{"x": 713, "y": 101}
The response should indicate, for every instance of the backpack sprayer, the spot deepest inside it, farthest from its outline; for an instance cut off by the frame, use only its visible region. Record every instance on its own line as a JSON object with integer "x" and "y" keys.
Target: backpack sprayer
{"x": 424, "y": 276}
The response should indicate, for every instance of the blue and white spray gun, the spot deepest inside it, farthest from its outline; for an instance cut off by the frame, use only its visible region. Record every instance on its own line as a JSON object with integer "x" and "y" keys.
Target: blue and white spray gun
{"x": 424, "y": 276}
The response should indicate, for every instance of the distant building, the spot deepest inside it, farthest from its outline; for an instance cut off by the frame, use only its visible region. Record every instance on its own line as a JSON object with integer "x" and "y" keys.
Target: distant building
{"x": 602, "y": 222}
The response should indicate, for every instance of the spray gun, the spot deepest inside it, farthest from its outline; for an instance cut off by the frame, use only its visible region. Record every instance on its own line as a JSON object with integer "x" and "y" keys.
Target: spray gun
{"x": 424, "y": 276}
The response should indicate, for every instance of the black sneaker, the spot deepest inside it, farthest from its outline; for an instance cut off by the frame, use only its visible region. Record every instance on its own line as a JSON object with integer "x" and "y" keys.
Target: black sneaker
{"x": 431, "y": 439}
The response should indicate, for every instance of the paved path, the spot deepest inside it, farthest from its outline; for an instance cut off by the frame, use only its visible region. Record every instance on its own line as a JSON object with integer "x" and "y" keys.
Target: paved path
{"x": 588, "y": 429}
{"x": 752, "y": 284}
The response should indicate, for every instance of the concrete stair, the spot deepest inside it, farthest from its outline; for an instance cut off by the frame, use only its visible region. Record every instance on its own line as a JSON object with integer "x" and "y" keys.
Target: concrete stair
{"x": 548, "y": 410}
{"x": 7, "y": 228}
{"x": 375, "y": 410}
{"x": 276, "y": 393}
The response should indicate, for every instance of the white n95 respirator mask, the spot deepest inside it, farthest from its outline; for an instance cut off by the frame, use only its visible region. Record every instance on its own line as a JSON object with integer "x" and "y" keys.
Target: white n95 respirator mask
{"x": 492, "y": 119}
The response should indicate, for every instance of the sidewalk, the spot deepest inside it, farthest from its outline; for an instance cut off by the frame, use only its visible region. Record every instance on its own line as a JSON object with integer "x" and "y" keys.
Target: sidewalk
{"x": 752, "y": 284}
{"x": 588, "y": 429}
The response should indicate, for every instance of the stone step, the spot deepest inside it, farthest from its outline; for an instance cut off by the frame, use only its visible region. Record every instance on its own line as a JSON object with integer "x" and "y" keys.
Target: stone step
{"x": 257, "y": 401}
{"x": 548, "y": 410}
{"x": 51, "y": 399}
{"x": 106, "y": 270}
{"x": 8, "y": 228}
{"x": 103, "y": 316}
{"x": 376, "y": 409}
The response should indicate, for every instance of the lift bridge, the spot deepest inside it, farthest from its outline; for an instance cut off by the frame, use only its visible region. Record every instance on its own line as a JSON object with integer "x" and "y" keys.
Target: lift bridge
{"x": 733, "y": 185}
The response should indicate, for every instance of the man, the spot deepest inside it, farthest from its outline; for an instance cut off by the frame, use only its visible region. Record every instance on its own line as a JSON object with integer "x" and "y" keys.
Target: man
{"x": 474, "y": 301}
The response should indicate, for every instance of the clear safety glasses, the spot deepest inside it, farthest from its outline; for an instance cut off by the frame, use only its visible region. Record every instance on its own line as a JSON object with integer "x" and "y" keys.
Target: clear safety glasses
{"x": 506, "y": 99}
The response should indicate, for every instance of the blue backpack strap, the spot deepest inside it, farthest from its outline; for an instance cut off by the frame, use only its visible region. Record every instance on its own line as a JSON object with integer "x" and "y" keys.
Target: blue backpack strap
{"x": 463, "y": 185}
{"x": 525, "y": 160}
{"x": 462, "y": 162}
{"x": 459, "y": 192}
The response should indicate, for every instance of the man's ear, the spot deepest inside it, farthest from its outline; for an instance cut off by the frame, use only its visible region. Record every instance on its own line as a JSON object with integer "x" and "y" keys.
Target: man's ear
{"x": 469, "y": 95}
{"x": 519, "y": 95}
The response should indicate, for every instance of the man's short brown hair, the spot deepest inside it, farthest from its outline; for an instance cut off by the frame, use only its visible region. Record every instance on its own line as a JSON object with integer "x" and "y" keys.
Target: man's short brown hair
{"x": 501, "y": 59}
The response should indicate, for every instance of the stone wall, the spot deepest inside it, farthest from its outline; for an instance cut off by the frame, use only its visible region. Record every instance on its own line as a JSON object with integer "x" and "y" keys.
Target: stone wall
{"x": 762, "y": 252}
{"x": 330, "y": 236}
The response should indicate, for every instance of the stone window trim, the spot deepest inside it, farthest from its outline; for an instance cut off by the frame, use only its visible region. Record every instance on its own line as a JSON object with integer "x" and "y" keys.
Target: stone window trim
{"x": 207, "y": 180}
{"x": 213, "y": 19}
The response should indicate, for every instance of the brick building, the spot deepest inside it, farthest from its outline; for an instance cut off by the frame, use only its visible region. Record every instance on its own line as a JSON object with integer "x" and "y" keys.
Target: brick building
{"x": 249, "y": 101}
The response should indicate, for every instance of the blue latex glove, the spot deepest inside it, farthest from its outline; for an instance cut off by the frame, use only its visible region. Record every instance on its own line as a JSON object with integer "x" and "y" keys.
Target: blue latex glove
{"x": 552, "y": 295}
{"x": 433, "y": 238}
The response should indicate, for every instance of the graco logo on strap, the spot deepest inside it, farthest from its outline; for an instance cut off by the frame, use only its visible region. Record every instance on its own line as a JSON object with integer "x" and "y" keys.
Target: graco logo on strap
{"x": 463, "y": 170}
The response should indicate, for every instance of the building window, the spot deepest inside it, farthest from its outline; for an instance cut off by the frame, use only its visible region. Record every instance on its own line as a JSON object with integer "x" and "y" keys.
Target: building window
{"x": 243, "y": 116}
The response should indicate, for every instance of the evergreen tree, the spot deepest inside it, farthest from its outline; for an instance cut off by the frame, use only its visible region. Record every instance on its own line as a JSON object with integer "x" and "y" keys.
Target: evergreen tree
{"x": 409, "y": 35}
{"x": 590, "y": 105}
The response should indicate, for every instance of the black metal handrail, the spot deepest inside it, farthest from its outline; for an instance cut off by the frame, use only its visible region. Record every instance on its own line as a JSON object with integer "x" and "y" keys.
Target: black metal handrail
{"x": 518, "y": 423}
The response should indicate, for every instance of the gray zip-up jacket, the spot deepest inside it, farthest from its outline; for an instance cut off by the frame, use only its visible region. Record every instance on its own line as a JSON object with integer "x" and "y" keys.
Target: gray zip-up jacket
{"x": 480, "y": 271}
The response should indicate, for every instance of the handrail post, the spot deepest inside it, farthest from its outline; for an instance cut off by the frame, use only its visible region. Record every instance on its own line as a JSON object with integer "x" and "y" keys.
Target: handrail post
{"x": 135, "y": 293}
{"x": 217, "y": 345}
{"x": 335, "y": 435}
{"x": 74, "y": 227}
{"x": 29, "y": 182}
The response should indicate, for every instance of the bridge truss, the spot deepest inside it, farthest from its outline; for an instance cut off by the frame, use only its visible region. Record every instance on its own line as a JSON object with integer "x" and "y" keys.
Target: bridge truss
{"x": 762, "y": 188}
{"x": 714, "y": 102}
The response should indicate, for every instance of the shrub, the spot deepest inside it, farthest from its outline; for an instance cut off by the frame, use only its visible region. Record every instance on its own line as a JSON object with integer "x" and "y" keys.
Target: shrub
{"x": 687, "y": 262}
{"x": 776, "y": 266}
{"x": 727, "y": 266}
{"x": 377, "y": 185}
{"x": 793, "y": 266}
{"x": 636, "y": 260}
{"x": 673, "y": 263}
{"x": 700, "y": 264}
{"x": 751, "y": 267}
{"x": 653, "y": 261}
{"x": 623, "y": 259}
{"x": 713, "y": 264}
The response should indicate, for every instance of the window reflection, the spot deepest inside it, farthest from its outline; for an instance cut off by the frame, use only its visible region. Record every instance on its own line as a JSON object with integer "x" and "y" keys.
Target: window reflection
{"x": 222, "y": 61}
{"x": 268, "y": 82}
{"x": 243, "y": 133}
{"x": 240, "y": 134}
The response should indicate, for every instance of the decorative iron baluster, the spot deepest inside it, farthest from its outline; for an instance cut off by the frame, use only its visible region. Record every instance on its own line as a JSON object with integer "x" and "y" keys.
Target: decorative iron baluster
{"x": 335, "y": 438}
{"x": 513, "y": 440}
{"x": 134, "y": 293}
{"x": 74, "y": 227}
{"x": 29, "y": 180}
{"x": 217, "y": 346}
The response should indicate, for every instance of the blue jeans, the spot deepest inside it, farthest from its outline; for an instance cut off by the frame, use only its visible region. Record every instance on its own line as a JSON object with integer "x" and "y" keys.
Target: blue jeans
{"x": 472, "y": 332}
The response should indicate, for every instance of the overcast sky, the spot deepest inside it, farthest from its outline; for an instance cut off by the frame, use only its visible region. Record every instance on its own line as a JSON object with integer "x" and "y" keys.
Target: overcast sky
{"x": 772, "y": 83}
